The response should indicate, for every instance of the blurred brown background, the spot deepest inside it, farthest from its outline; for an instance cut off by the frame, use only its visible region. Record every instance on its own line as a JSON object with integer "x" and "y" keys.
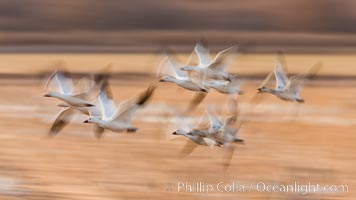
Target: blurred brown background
{"x": 147, "y": 25}
{"x": 284, "y": 142}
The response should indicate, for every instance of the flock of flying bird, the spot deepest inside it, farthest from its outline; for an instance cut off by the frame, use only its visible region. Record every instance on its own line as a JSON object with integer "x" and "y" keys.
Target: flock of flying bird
{"x": 209, "y": 73}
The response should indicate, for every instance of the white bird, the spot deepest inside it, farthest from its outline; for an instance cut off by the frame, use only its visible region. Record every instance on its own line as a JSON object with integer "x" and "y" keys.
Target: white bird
{"x": 118, "y": 120}
{"x": 208, "y": 67}
{"x": 194, "y": 140}
{"x": 201, "y": 140}
{"x": 186, "y": 128}
{"x": 287, "y": 89}
{"x": 66, "y": 90}
{"x": 221, "y": 131}
{"x": 68, "y": 111}
{"x": 181, "y": 78}
{"x": 185, "y": 80}
{"x": 218, "y": 133}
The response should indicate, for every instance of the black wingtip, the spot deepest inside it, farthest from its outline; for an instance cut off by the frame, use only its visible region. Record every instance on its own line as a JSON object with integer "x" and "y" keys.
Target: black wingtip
{"x": 238, "y": 140}
{"x": 101, "y": 78}
{"x": 146, "y": 95}
{"x": 300, "y": 100}
{"x": 204, "y": 90}
{"x": 56, "y": 128}
{"x": 52, "y": 134}
{"x": 131, "y": 130}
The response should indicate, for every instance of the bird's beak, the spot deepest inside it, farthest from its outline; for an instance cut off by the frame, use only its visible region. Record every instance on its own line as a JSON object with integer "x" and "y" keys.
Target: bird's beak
{"x": 161, "y": 80}
{"x": 86, "y": 121}
{"x": 259, "y": 90}
{"x": 174, "y": 133}
{"x": 182, "y": 68}
{"x": 47, "y": 95}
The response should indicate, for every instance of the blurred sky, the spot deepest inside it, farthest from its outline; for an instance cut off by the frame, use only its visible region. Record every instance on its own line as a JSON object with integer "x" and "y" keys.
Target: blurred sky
{"x": 157, "y": 22}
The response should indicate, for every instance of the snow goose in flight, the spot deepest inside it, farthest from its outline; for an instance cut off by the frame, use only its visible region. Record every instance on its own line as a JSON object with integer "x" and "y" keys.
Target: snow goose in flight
{"x": 184, "y": 80}
{"x": 221, "y": 131}
{"x": 65, "y": 86}
{"x": 216, "y": 134}
{"x": 194, "y": 140}
{"x": 118, "y": 120}
{"x": 179, "y": 77}
{"x": 288, "y": 89}
{"x": 208, "y": 67}
{"x": 68, "y": 111}
{"x": 224, "y": 132}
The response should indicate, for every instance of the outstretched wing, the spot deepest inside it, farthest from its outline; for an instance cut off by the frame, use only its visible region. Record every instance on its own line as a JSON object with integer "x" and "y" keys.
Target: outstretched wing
{"x": 203, "y": 55}
{"x": 197, "y": 99}
{"x": 230, "y": 129}
{"x": 281, "y": 77}
{"x": 128, "y": 110}
{"x": 107, "y": 104}
{"x": 188, "y": 148}
{"x": 215, "y": 122}
{"x": 313, "y": 71}
{"x": 62, "y": 80}
{"x": 282, "y": 59}
{"x": 296, "y": 83}
{"x": 96, "y": 82}
{"x": 83, "y": 85}
{"x": 50, "y": 80}
{"x": 266, "y": 80}
{"x": 173, "y": 68}
{"x": 218, "y": 63}
{"x": 62, "y": 120}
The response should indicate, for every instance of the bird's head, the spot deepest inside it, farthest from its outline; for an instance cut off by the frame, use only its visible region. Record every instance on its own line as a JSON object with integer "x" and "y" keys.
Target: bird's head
{"x": 91, "y": 120}
{"x": 179, "y": 132}
{"x": 262, "y": 89}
